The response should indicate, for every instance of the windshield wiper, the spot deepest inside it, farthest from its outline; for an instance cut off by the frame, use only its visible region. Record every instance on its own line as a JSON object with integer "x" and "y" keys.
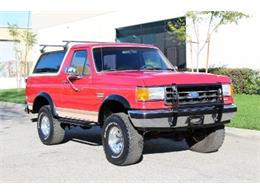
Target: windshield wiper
{"x": 154, "y": 68}
{"x": 171, "y": 69}
{"x": 118, "y": 69}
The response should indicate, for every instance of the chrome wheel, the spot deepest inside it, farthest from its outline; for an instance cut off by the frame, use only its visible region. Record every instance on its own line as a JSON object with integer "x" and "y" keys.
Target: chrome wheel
{"x": 45, "y": 126}
{"x": 116, "y": 140}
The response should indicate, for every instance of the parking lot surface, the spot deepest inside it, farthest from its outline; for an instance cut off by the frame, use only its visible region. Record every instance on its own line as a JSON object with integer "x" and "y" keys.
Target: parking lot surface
{"x": 23, "y": 158}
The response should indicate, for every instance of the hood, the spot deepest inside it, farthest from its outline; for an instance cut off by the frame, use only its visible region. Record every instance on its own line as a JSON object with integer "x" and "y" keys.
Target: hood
{"x": 153, "y": 78}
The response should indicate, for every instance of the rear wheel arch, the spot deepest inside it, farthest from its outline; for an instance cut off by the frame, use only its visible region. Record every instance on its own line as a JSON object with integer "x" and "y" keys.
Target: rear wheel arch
{"x": 43, "y": 99}
{"x": 112, "y": 104}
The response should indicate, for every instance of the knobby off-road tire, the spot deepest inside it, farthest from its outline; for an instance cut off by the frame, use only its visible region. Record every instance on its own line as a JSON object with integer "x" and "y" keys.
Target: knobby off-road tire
{"x": 118, "y": 129}
{"x": 55, "y": 133}
{"x": 209, "y": 141}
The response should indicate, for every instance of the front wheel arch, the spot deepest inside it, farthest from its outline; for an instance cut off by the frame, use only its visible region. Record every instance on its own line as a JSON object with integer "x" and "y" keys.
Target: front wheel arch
{"x": 112, "y": 104}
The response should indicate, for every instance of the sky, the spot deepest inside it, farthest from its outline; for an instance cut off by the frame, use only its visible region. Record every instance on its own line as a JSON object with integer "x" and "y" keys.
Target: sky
{"x": 15, "y": 17}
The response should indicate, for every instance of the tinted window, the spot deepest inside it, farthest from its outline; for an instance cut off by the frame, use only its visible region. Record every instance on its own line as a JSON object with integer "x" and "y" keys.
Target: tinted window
{"x": 129, "y": 58}
{"x": 80, "y": 62}
{"x": 49, "y": 62}
{"x": 110, "y": 62}
{"x": 97, "y": 58}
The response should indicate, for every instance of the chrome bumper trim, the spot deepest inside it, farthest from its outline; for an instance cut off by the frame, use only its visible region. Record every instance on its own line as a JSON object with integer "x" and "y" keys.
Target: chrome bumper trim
{"x": 165, "y": 118}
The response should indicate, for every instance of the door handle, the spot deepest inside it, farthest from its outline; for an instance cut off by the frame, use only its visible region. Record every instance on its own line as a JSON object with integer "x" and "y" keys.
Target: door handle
{"x": 71, "y": 84}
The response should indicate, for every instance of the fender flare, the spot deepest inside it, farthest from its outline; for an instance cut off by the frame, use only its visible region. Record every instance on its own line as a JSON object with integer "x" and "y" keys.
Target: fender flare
{"x": 48, "y": 98}
{"x": 117, "y": 98}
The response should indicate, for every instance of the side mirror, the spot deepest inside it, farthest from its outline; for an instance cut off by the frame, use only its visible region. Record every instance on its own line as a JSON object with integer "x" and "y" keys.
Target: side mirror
{"x": 71, "y": 71}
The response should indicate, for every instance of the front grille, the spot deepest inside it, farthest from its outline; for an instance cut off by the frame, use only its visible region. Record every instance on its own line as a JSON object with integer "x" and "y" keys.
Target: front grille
{"x": 193, "y": 94}
{"x": 171, "y": 95}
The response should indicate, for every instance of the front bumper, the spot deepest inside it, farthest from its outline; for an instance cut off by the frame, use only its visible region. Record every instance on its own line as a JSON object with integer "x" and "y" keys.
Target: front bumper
{"x": 181, "y": 117}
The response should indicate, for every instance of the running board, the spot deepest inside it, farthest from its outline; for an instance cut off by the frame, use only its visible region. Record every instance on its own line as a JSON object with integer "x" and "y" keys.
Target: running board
{"x": 76, "y": 122}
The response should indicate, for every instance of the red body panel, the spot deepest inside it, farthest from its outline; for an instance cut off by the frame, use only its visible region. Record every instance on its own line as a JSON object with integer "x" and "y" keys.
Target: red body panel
{"x": 122, "y": 83}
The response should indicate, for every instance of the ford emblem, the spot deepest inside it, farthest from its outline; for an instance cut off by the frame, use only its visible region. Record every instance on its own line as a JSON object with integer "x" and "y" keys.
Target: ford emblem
{"x": 194, "y": 94}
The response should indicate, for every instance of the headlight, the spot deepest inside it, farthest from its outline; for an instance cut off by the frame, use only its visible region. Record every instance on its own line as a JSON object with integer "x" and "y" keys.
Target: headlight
{"x": 227, "y": 90}
{"x": 149, "y": 93}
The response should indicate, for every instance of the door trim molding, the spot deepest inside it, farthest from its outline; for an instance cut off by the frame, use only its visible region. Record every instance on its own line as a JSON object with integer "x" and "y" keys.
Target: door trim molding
{"x": 77, "y": 114}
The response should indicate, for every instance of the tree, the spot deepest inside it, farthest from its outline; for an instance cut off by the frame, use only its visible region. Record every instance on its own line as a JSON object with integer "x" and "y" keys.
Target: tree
{"x": 213, "y": 20}
{"x": 177, "y": 30}
{"x": 23, "y": 43}
{"x": 29, "y": 38}
{"x": 15, "y": 34}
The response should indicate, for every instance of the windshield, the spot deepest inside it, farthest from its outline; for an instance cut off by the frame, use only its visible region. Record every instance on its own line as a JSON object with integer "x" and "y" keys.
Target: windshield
{"x": 130, "y": 58}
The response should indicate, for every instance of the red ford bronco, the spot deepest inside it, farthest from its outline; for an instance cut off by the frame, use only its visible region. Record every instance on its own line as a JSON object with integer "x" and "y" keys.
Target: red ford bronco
{"x": 131, "y": 91}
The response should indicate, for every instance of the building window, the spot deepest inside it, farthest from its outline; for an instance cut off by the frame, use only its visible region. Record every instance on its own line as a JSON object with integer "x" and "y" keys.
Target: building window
{"x": 155, "y": 33}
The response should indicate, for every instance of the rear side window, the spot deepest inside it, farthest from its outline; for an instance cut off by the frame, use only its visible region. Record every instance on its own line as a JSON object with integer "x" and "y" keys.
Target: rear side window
{"x": 49, "y": 62}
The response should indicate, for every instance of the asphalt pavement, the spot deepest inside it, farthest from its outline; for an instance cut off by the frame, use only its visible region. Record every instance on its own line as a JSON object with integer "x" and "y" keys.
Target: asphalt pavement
{"x": 23, "y": 158}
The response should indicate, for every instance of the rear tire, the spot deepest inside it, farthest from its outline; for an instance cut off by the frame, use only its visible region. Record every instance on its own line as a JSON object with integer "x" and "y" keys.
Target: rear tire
{"x": 49, "y": 128}
{"x": 122, "y": 144}
{"x": 207, "y": 141}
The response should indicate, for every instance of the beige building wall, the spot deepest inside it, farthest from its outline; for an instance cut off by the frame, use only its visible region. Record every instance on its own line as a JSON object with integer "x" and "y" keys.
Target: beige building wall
{"x": 4, "y": 33}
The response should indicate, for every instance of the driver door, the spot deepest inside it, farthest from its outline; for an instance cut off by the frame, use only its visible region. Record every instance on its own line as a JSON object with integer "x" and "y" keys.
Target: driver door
{"x": 77, "y": 92}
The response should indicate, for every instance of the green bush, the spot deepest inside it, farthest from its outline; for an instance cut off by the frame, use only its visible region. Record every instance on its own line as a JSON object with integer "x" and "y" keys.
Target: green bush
{"x": 245, "y": 80}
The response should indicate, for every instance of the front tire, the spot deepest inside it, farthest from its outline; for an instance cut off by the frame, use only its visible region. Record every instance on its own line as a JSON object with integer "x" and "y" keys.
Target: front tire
{"x": 122, "y": 144}
{"x": 207, "y": 140}
{"x": 49, "y": 128}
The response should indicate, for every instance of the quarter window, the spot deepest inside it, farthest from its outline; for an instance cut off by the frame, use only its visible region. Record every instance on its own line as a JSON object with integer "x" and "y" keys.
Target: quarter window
{"x": 49, "y": 62}
{"x": 80, "y": 62}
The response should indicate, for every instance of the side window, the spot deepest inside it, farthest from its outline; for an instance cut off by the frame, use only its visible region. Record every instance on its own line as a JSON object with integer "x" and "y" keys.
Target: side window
{"x": 80, "y": 62}
{"x": 109, "y": 62}
{"x": 49, "y": 62}
{"x": 98, "y": 58}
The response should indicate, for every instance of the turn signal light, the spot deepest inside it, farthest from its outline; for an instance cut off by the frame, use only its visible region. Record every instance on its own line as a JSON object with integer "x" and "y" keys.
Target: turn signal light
{"x": 142, "y": 94}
